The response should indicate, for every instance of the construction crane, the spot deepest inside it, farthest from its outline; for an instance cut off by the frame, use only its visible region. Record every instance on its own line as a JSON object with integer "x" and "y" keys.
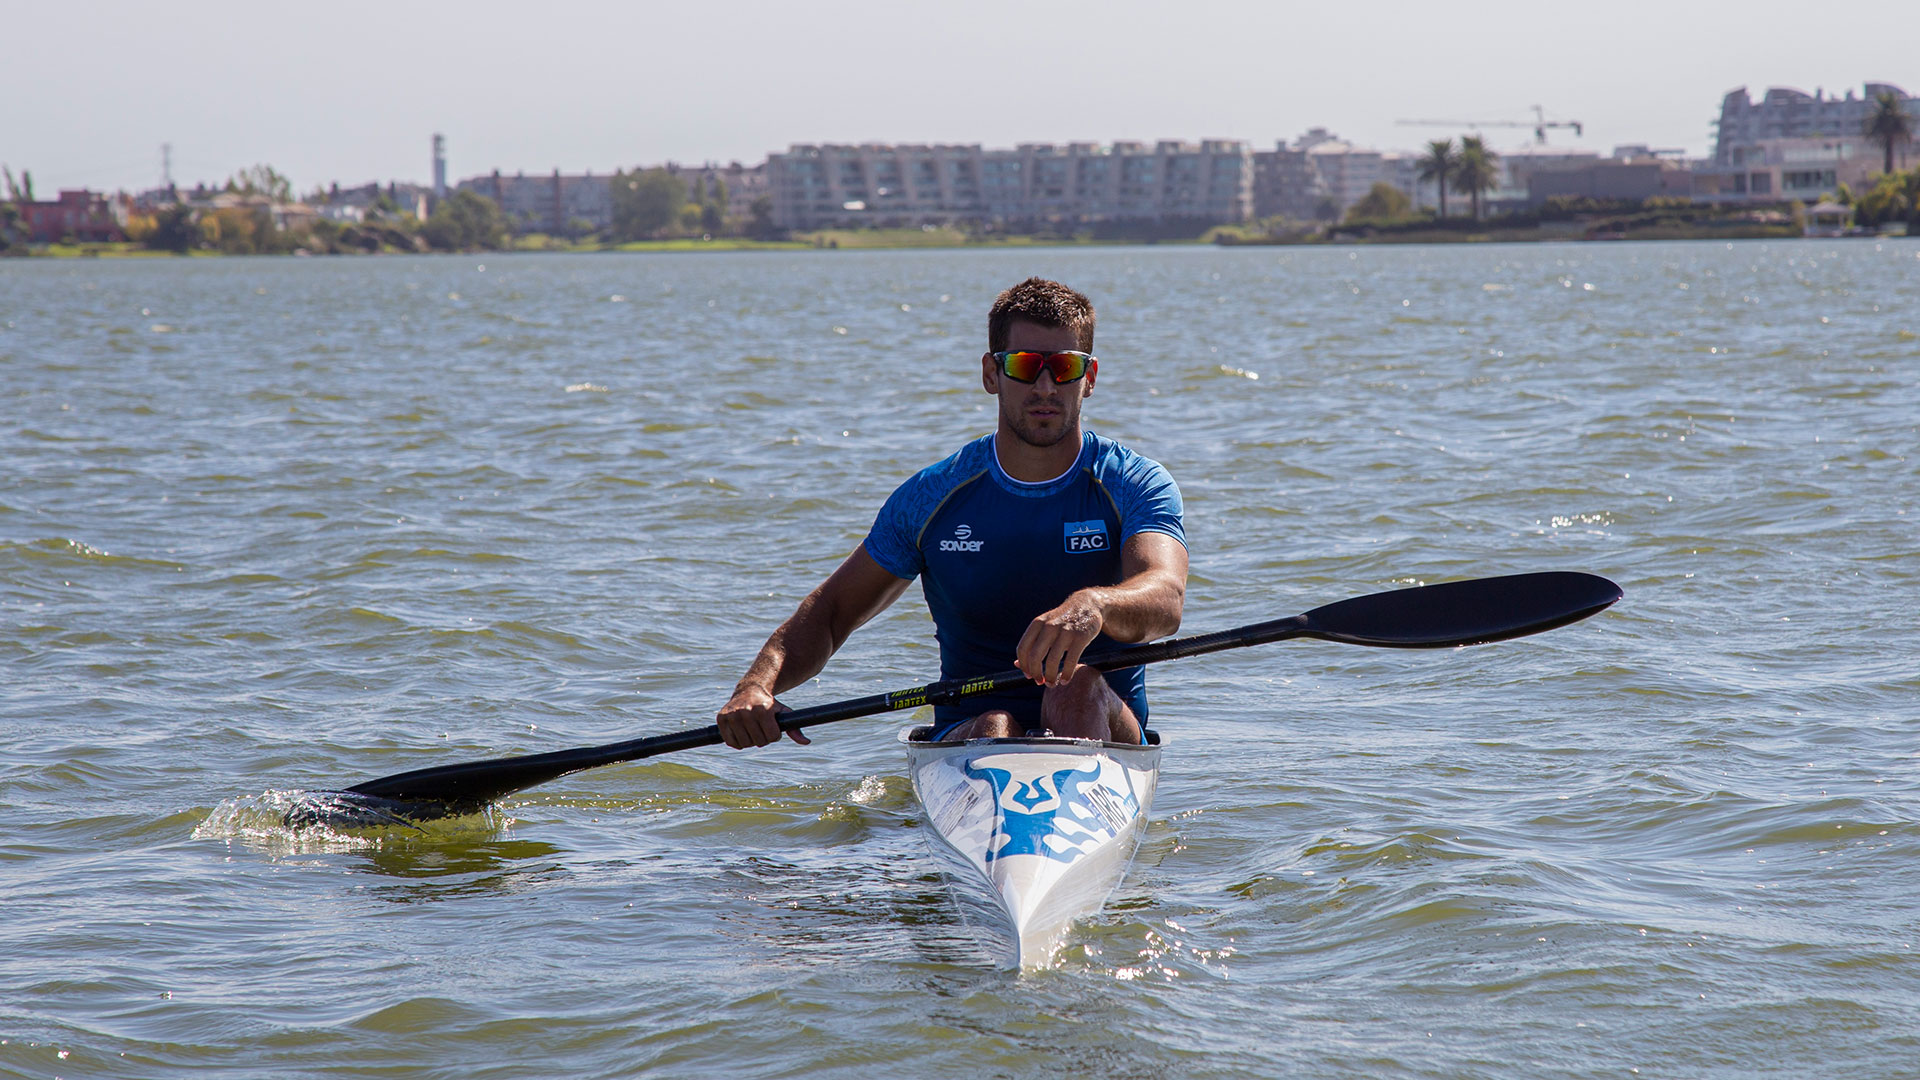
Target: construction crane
{"x": 1540, "y": 124}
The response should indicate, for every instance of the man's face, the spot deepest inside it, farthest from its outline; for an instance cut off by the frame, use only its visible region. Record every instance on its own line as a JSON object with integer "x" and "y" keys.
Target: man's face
{"x": 1042, "y": 412}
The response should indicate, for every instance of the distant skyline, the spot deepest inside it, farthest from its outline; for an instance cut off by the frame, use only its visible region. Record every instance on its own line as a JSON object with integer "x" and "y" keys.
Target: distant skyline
{"x": 353, "y": 91}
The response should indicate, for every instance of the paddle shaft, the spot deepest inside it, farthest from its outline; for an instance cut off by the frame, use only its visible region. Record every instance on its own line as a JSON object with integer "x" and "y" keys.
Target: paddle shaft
{"x": 456, "y": 783}
{"x": 1428, "y": 617}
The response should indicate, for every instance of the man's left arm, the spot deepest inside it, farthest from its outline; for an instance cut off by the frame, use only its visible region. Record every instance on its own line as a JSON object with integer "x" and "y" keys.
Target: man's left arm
{"x": 1145, "y": 604}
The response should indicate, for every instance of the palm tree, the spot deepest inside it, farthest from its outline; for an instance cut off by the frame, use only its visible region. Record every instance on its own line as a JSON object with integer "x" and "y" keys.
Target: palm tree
{"x": 1889, "y": 123}
{"x": 1438, "y": 166}
{"x": 1475, "y": 171}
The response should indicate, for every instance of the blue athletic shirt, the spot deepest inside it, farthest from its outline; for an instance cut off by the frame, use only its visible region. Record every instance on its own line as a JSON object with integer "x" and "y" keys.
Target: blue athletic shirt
{"x": 992, "y": 552}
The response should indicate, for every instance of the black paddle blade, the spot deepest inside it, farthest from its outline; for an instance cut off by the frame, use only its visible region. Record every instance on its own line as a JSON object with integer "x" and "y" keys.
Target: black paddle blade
{"x": 1463, "y": 612}
{"x": 467, "y": 787}
{"x": 468, "y": 784}
{"x": 351, "y": 810}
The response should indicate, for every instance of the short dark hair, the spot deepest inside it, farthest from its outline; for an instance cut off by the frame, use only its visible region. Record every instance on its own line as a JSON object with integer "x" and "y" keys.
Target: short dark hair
{"x": 1043, "y": 303}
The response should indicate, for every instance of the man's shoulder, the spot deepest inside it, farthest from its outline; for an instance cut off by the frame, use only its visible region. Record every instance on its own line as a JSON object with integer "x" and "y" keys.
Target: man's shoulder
{"x": 1142, "y": 490}
{"x": 895, "y": 538}
{"x": 956, "y": 468}
{"x": 1113, "y": 461}
{"x": 919, "y": 494}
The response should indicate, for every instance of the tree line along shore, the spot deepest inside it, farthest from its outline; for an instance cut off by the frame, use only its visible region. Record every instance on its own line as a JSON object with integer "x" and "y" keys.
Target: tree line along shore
{"x": 656, "y": 211}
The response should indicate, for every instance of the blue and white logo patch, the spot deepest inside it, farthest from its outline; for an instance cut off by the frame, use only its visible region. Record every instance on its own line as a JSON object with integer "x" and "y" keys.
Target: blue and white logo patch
{"x": 1084, "y": 536}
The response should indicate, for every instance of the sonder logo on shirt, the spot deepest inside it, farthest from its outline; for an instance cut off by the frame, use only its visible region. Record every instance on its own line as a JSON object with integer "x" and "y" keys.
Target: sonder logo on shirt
{"x": 960, "y": 541}
{"x": 1085, "y": 536}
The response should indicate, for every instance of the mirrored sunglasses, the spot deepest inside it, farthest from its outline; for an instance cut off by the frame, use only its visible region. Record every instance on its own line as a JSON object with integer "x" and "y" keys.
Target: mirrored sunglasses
{"x": 1065, "y": 367}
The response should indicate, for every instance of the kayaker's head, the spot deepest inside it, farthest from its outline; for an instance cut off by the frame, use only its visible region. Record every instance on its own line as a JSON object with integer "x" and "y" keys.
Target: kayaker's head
{"x": 1043, "y": 303}
{"x": 1039, "y": 364}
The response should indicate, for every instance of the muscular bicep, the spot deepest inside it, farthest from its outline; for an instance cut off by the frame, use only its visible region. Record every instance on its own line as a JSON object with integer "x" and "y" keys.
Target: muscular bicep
{"x": 1153, "y": 568}
{"x": 1157, "y": 555}
{"x": 855, "y": 592}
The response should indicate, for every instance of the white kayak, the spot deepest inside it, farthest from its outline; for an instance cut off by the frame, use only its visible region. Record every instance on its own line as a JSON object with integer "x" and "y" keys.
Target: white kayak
{"x": 1035, "y": 832}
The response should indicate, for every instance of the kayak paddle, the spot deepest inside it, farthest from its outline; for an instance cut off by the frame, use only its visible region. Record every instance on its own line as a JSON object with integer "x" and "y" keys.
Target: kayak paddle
{"x": 1427, "y": 617}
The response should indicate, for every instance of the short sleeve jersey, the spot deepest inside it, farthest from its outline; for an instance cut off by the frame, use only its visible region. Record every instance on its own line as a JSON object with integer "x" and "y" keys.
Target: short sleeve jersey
{"x": 992, "y": 552}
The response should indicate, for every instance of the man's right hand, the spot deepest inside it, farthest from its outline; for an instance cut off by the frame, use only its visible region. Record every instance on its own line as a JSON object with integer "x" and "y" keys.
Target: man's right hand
{"x": 751, "y": 717}
{"x": 799, "y": 648}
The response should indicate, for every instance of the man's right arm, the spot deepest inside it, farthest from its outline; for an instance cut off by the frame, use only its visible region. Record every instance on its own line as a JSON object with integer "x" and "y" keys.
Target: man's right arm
{"x": 855, "y": 592}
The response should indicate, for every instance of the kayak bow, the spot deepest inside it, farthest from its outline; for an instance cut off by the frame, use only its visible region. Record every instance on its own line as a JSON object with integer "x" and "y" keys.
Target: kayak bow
{"x": 1035, "y": 832}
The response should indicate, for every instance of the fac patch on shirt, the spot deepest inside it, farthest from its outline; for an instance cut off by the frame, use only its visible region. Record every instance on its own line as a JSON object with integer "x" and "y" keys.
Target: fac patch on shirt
{"x": 1084, "y": 536}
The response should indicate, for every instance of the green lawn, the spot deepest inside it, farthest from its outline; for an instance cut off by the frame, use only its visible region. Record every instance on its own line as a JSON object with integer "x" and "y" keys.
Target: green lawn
{"x": 718, "y": 243}
{"x": 124, "y": 249}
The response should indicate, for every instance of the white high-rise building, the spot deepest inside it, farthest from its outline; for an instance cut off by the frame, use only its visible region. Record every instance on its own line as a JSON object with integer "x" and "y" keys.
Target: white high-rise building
{"x": 886, "y": 184}
{"x": 1785, "y": 113}
{"x": 1795, "y": 145}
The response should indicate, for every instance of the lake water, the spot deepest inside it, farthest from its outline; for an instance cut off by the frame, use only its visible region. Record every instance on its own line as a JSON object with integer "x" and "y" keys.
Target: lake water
{"x": 270, "y": 525}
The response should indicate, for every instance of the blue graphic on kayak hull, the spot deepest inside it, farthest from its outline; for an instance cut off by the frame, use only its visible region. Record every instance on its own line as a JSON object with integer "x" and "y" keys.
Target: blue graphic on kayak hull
{"x": 1083, "y": 812}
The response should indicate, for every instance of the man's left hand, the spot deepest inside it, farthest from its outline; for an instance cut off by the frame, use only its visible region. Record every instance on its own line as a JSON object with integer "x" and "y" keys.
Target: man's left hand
{"x": 1049, "y": 652}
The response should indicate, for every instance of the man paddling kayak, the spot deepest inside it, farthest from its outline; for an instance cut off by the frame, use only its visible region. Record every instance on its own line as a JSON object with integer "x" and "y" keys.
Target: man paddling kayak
{"x": 1031, "y": 544}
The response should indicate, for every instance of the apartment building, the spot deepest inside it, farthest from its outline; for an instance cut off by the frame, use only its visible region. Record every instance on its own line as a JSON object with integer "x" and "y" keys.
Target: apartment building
{"x": 1619, "y": 177}
{"x": 1776, "y": 169}
{"x": 1794, "y": 145}
{"x": 353, "y": 205}
{"x": 1284, "y": 184}
{"x": 1321, "y": 175}
{"x": 553, "y": 202}
{"x": 742, "y": 183}
{"x": 825, "y": 185}
{"x": 78, "y": 214}
{"x": 1785, "y": 113}
{"x": 1346, "y": 171}
{"x": 546, "y": 203}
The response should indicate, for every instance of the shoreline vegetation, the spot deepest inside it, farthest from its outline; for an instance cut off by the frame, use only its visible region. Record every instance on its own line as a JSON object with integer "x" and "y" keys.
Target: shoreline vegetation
{"x": 655, "y": 212}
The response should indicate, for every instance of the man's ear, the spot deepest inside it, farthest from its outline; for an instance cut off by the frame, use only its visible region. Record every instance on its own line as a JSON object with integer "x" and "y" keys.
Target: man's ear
{"x": 1093, "y": 369}
{"x": 989, "y": 374}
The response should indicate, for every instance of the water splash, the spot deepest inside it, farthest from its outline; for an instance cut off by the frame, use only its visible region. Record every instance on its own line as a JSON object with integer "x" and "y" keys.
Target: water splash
{"x": 261, "y": 822}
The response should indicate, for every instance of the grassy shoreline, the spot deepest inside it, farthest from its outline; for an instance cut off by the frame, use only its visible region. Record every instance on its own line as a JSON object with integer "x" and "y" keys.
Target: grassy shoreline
{"x": 1526, "y": 235}
{"x": 917, "y": 239}
{"x": 823, "y": 240}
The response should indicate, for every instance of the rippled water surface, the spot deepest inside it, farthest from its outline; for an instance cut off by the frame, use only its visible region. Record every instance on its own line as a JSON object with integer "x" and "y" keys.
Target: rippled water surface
{"x": 272, "y": 525}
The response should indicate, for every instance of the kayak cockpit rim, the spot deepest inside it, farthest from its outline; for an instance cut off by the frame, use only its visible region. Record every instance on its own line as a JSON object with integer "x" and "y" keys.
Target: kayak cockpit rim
{"x": 917, "y": 735}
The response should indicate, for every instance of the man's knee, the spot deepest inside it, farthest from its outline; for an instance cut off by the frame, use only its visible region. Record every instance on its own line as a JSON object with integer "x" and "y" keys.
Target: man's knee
{"x": 1086, "y": 691}
{"x": 1086, "y": 707}
{"x": 992, "y": 724}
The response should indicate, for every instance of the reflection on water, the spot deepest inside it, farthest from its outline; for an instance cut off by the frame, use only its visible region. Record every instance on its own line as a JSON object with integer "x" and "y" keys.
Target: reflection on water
{"x": 454, "y": 870}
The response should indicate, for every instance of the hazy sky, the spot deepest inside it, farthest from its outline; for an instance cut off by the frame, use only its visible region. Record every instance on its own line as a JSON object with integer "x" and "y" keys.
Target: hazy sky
{"x": 350, "y": 91}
